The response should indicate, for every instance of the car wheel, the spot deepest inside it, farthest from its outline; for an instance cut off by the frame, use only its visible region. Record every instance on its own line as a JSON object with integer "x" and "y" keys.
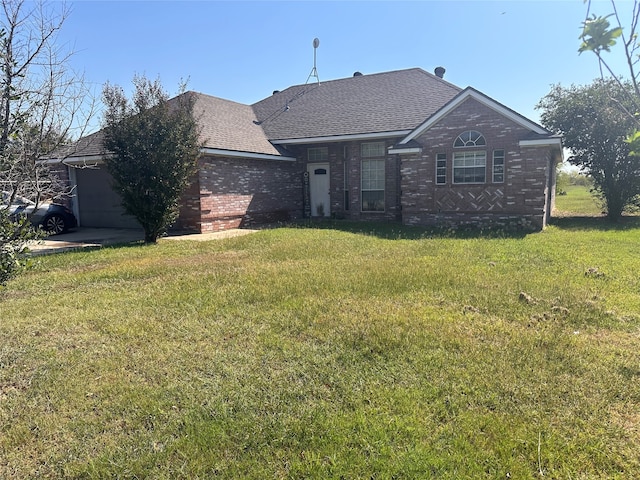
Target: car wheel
{"x": 54, "y": 224}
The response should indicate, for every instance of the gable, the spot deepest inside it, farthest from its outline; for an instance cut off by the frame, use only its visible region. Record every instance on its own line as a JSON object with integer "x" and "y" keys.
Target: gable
{"x": 472, "y": 94}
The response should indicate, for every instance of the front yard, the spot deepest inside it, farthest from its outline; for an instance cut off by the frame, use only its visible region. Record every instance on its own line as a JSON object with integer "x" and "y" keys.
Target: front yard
{"x": 347, "y": 351}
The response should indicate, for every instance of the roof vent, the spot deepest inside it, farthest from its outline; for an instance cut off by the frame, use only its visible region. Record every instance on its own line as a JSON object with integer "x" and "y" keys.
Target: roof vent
{"x": 276, "y": 91}
{"x": 439, "y": 71}
{"x": 357, "y": 74}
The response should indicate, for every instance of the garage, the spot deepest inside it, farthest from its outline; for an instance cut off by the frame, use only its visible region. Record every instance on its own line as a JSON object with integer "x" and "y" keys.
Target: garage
{"x": 97, "y": 204}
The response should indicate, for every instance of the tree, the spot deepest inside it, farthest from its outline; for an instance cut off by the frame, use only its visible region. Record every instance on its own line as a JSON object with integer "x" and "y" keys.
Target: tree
{"x": 42, "y": 104}
{"x": 596, "y": 130}
{"x": 151, "y": 149}
{"x": 599, "y": 36}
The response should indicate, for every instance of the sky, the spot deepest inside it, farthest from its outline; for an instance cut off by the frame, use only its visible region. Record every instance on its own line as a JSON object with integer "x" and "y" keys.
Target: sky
{"x": 513, "y": 51}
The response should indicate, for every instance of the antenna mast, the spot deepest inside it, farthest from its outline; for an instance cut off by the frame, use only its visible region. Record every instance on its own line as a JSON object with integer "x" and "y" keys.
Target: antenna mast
{"x": 314, "y": 70}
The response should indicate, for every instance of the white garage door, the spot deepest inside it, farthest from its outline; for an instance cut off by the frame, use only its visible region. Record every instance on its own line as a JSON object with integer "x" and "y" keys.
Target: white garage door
{"x": 98, "y": 204}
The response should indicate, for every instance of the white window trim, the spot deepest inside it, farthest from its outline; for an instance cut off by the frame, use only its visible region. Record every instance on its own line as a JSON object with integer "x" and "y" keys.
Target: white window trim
{"x": 453, "y": 167}
{"x": 445, "y": 168}
{"x": 383, "y": 190}
{"x": 323, "y": 157}
{"x": 493, "y": 165}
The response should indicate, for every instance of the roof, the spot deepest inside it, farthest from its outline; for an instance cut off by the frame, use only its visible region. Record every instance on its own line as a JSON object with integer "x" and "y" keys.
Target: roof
{"x": 400, "y": 103}
{"x": 383, "y": 102}
{"x": 228, "y": 125}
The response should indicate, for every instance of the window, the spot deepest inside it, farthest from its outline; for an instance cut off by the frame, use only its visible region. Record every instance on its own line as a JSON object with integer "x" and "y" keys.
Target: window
{"x": 318, "y": 154}
{"x": 469, "y": 167}
{"x": 441, "y": 168}
{"x": 373, "y": 149}
{"x": 346, "y": 184}
{"x": 470, "y": 138}
{"x": 498, "y": 166}
{"x": 373, "y": 177}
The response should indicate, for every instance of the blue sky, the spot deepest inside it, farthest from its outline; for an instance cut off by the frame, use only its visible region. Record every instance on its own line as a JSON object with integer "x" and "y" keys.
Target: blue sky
{"x": 512, "y": 51}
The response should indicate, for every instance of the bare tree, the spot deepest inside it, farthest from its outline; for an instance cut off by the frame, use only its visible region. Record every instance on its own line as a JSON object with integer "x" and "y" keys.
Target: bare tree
{"x": 43, "y": 103}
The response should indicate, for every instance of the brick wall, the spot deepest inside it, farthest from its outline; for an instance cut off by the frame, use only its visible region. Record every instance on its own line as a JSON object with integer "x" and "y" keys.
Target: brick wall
{"x": 232, "y": 193}
{"x": 345, "y": 161}
{"x": 522, "y": 194}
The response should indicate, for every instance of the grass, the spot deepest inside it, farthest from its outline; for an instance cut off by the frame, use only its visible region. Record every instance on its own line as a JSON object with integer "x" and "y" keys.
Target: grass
{"x": 578, "y": 200}
{"x": 334, "y": 350}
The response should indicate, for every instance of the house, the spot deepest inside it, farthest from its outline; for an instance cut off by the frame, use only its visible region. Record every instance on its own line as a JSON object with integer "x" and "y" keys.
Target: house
{"x": 403, "y": 146}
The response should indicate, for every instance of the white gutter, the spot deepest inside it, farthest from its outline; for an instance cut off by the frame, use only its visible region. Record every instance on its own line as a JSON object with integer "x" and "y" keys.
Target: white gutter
{"x": 87, "y": 159}
{"x": 393, "y": 150}
{"x": 233, "y": 153}
{"x": 338, "y": 138}
{"x": 98, "y": 159}
{"x": 541, "y": 142}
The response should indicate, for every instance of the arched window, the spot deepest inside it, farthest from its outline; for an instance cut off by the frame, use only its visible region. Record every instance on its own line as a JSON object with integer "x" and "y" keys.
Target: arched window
{"x": 469, "y": 166}
{"x": 470, "y": 138}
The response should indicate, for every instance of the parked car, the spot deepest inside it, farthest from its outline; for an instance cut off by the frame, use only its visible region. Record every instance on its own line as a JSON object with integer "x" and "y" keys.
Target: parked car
{"x": 51, "y": 217}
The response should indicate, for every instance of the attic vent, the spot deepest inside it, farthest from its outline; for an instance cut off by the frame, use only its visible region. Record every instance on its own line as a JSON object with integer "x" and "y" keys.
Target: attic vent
{"x": 276, "y": 91}
{"x": 357, "y": 74}
{"x": 439, "y": 71}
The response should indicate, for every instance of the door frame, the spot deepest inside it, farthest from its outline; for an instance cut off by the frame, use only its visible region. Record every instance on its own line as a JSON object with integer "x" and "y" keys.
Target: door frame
{"x": 317, "y": 198}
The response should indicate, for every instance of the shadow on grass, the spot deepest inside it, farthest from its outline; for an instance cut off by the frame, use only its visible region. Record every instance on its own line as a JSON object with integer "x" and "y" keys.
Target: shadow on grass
{"x": 397, "y": 231}
{"x": 584, "y": 223}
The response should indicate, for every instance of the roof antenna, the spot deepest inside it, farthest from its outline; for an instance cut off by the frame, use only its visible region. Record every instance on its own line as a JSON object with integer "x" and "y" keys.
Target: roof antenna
{"x": 314, "y": 70}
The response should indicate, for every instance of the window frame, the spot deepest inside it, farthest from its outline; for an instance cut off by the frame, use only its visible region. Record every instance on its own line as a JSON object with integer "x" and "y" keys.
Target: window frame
{"x": 470, "y": 138}
{"x": 457, "y": 156}
{"x": 375, "y": 160}
{"x": 441, "y": 168}
{"x": 323, "y": 157}
{"x": 346, "y": 183}
{"x": 494, "y": 165}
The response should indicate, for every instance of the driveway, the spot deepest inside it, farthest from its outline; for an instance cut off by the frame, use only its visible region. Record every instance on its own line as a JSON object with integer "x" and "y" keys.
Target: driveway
{"x": 100, "y": 237}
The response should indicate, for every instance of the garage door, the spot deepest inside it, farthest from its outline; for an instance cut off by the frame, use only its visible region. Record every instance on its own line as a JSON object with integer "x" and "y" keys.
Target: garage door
{"x": 98, "y": 204}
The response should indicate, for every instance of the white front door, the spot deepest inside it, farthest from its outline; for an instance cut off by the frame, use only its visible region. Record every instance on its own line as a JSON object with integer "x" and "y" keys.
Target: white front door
{"x": 319, "y": 189}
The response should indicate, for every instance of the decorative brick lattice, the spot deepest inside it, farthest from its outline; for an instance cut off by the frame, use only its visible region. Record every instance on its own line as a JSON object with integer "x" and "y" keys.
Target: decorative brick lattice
{"x": 487, "y": 200}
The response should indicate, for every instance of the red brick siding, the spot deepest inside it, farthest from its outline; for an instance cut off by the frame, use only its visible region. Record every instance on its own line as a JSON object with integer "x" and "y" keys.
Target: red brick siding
{"x": 349, "y": 153}
{"x": 521, "y": 195}
{"x": 232, "y": 193}
{"x": 189, "y": 216}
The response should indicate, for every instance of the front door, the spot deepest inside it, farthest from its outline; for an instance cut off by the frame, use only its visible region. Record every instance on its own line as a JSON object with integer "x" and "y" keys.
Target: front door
{"x": 319, "y": 189}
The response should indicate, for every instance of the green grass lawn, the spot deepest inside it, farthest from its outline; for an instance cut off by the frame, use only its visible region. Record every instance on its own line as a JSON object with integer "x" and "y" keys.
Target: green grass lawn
{"x": 341, "y": 351}
{"x": 577, "y": 201}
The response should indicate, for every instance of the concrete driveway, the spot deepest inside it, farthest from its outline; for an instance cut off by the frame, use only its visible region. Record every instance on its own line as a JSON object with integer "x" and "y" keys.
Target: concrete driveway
{"x": 100, "y": 237}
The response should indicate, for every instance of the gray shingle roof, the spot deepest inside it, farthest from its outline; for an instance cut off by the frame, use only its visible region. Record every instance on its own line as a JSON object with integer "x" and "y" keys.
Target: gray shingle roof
{"x": 228, "y": 125}
{"x": 383, "y": 102}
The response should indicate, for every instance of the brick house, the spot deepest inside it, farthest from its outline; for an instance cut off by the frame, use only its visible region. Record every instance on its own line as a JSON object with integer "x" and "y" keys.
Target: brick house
{"x": 404, "y": 146}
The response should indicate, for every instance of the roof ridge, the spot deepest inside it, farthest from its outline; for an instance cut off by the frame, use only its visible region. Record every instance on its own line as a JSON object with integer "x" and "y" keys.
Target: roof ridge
{"x": 439, "y": 79}
{"x": 365, "y": 75}
{"x": 200, "y": 94}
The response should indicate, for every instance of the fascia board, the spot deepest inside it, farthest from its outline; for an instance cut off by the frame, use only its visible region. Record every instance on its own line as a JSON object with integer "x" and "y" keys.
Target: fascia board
{"x": 393, "y": 151}
{"x": 488, "y": 102}
{"x": 541, "y": 142}
{"x": 338, "y": 138}
{"x": 72, "y": 161}
{"x": 232, "y": 153}
{"x": 98, "y": 159}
